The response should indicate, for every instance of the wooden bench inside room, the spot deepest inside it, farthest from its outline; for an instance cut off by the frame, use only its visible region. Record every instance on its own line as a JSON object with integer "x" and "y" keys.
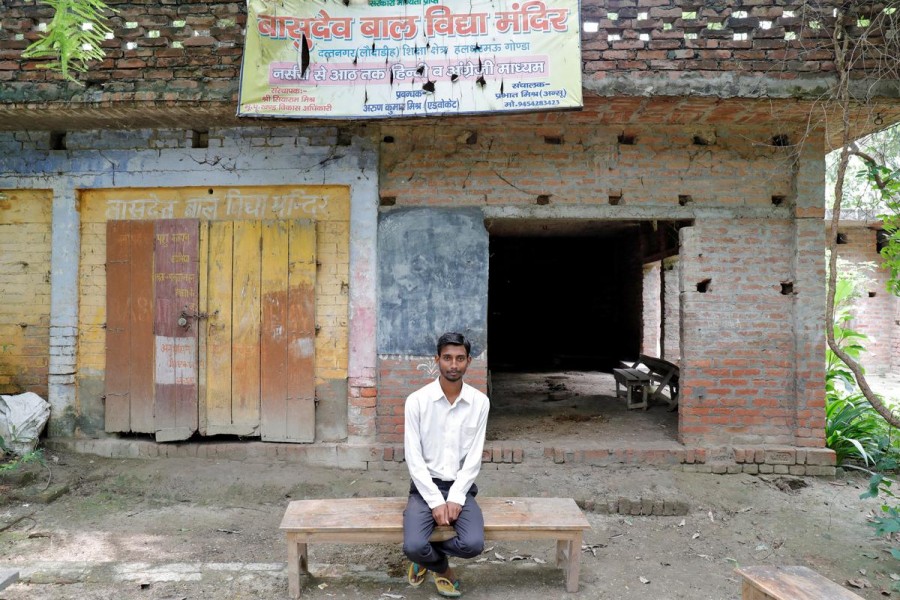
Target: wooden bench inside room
{"x": 634, "y": 385}
{"x": 789, "y": 583}
{"x": 380, "y": 520}
{"x": 660, "y": 373}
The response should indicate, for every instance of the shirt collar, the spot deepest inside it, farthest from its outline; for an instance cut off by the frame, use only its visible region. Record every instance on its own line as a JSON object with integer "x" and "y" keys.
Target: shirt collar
{"x": 436, "y": 393}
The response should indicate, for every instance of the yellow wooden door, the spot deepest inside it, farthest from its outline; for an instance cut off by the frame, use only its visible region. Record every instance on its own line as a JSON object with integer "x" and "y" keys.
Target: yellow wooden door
{"x": 259, "y": 348}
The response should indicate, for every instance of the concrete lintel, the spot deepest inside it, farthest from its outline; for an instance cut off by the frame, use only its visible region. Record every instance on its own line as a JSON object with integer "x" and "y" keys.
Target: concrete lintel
{"x": 632, "y": 213}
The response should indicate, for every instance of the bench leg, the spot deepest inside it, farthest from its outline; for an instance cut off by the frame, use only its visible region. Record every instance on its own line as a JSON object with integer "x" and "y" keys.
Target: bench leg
{"x": 574, "y": 568}
{"x": 568, "y": 556}
{"x": 297, "y": 563}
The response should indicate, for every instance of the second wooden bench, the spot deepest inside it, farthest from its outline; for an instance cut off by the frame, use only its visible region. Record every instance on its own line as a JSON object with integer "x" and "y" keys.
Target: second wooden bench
{"x": 380, "y": 520}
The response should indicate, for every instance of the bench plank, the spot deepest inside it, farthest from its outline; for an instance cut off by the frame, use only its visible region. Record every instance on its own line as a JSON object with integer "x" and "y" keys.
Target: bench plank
{"x": 380, "y": 520}
{"x": 790, "y": 583}
{"x": 386, "y": 514}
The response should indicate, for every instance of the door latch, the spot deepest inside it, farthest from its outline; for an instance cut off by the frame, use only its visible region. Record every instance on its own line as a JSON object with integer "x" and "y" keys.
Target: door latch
{"x": 184, "y": 319}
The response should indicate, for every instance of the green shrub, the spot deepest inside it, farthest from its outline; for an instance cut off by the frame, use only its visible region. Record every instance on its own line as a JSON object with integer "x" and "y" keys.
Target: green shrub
{"x": 854, "y": 430}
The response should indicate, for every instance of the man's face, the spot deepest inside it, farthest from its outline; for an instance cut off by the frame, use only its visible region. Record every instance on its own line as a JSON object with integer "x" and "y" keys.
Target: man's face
{"x": 453, "y": 362}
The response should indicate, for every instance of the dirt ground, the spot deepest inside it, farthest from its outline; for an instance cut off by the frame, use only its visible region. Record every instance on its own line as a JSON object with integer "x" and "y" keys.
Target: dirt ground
{"x": 188, "y": 528}
{"x": 171, "y": 529}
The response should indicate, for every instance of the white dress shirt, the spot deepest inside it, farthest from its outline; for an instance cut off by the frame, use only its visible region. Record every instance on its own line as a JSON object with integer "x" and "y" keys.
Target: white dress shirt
{"x": 444, "y": 441}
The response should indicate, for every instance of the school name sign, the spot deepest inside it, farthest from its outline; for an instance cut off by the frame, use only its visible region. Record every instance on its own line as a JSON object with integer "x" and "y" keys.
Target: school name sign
{"x": 392, "y": 58}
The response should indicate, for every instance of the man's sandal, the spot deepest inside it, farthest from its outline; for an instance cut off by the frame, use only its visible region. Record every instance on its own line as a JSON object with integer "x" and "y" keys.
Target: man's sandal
{"x": 447, "y": 588}
{"x": 416, "y": 574}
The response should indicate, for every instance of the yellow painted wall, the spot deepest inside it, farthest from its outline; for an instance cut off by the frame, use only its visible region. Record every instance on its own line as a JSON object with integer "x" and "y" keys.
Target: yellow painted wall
{"x": 24, "y": 290}
{"x": 328, "y": 206}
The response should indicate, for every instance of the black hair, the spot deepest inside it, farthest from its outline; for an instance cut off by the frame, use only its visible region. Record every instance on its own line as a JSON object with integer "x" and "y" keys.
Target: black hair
{"x": 453, "y": 339}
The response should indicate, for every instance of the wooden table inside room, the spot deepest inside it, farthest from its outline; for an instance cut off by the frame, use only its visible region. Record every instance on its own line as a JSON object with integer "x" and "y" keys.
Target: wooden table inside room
{"x": 380, "y": 520}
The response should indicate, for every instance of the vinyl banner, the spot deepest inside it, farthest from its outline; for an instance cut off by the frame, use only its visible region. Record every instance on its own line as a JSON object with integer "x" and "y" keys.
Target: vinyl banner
{"x": 393, "y": 58}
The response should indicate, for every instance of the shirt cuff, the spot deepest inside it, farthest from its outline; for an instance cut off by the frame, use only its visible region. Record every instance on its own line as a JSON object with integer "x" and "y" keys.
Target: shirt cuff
{"x": 456, "y": 498}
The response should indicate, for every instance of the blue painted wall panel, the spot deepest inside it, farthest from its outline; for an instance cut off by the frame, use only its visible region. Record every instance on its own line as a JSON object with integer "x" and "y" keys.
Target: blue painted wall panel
{"x": 432, "y": 278}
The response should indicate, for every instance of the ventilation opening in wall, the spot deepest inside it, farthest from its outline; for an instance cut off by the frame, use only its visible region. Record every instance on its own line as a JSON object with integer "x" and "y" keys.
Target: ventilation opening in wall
{"x": 199, "y": 138}
{"x": 57, "y": 140}
{"x": 568, "y": 301}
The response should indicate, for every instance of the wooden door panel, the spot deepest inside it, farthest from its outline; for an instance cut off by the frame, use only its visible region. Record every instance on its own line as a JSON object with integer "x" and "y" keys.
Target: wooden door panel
{"x": 245, "y": 326}
{"x": 176, "y": 289}
{"x": 118, "y": 327}
{"x": 301, "y": 394}
{"x": 274, "y": 331}
{"x": 142, "y": 389}
{"x": 129, "y": 334}
{"x": 218, "y": 329}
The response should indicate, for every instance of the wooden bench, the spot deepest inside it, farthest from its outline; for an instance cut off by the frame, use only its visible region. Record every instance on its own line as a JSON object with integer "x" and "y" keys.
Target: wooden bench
{"x": 789, "y": 583}
{"x": 380, "y": 520}
{"x": 634, "y": 382}
{"x": 662, "y": 374}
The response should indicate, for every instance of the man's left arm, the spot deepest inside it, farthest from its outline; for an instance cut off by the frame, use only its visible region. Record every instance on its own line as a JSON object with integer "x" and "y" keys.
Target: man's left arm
{"x": 465, "y": 477}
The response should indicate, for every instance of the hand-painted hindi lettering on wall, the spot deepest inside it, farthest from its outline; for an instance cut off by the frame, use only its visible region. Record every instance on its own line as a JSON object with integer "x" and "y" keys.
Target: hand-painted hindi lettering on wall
{"x": 391, "y": 58}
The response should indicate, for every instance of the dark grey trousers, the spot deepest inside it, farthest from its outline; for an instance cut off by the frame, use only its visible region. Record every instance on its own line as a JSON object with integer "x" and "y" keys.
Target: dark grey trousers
{"x": 418, "y": 525}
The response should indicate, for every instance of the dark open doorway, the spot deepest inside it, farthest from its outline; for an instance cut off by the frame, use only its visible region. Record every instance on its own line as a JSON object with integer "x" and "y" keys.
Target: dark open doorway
{"x": 566, "y": 304}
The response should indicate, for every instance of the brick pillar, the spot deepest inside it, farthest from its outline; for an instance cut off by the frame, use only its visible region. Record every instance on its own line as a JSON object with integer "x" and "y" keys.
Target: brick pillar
{"x": 808, "y": 267}
{"x": 737, "y": 332}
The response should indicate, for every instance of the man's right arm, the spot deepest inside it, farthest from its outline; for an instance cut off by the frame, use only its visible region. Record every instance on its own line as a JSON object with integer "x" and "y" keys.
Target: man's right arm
{"x": 415, "y": 461}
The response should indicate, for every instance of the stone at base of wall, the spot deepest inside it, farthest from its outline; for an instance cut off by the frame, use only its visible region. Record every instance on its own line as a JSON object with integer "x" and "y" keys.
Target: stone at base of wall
{"x": 819, "y": 462}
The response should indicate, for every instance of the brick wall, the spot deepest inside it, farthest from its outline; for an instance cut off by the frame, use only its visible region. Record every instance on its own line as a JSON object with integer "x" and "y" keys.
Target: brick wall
{"x": 25, "y": 290}
{"x": 398, "y": 377}
{"x": 652, "y": 311}
{"x": 516, "y": 159}
{"x": 761, "y": 38}
{"x": 190, "y": 52}
{"x": 875, "y": 311}
{"x": 740, "y": 337}
{"x": 737, "y": 333}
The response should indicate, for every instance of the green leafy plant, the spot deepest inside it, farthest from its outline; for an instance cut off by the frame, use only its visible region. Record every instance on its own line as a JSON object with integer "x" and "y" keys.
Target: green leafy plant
{"x": 73, "y": 38}
{"x": 852, "y": 429}
{"x": 35, "y": 456}
{"x": 889, "y": 523}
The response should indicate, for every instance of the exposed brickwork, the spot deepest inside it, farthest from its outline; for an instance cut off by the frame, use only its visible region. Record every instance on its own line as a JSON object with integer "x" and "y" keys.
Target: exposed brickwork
{"x": 875, "y": 311}
{"x": 25, "y": 291}
{"x": 739, "y": 337}
{"x": 188, "y": 53}
{"x": 143, "y": 62}
{"x": 432, "y": 166}
{"x": 752, "y": 37}
{"x": 398, "y": 377}
{"x": 737, "y": 360}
